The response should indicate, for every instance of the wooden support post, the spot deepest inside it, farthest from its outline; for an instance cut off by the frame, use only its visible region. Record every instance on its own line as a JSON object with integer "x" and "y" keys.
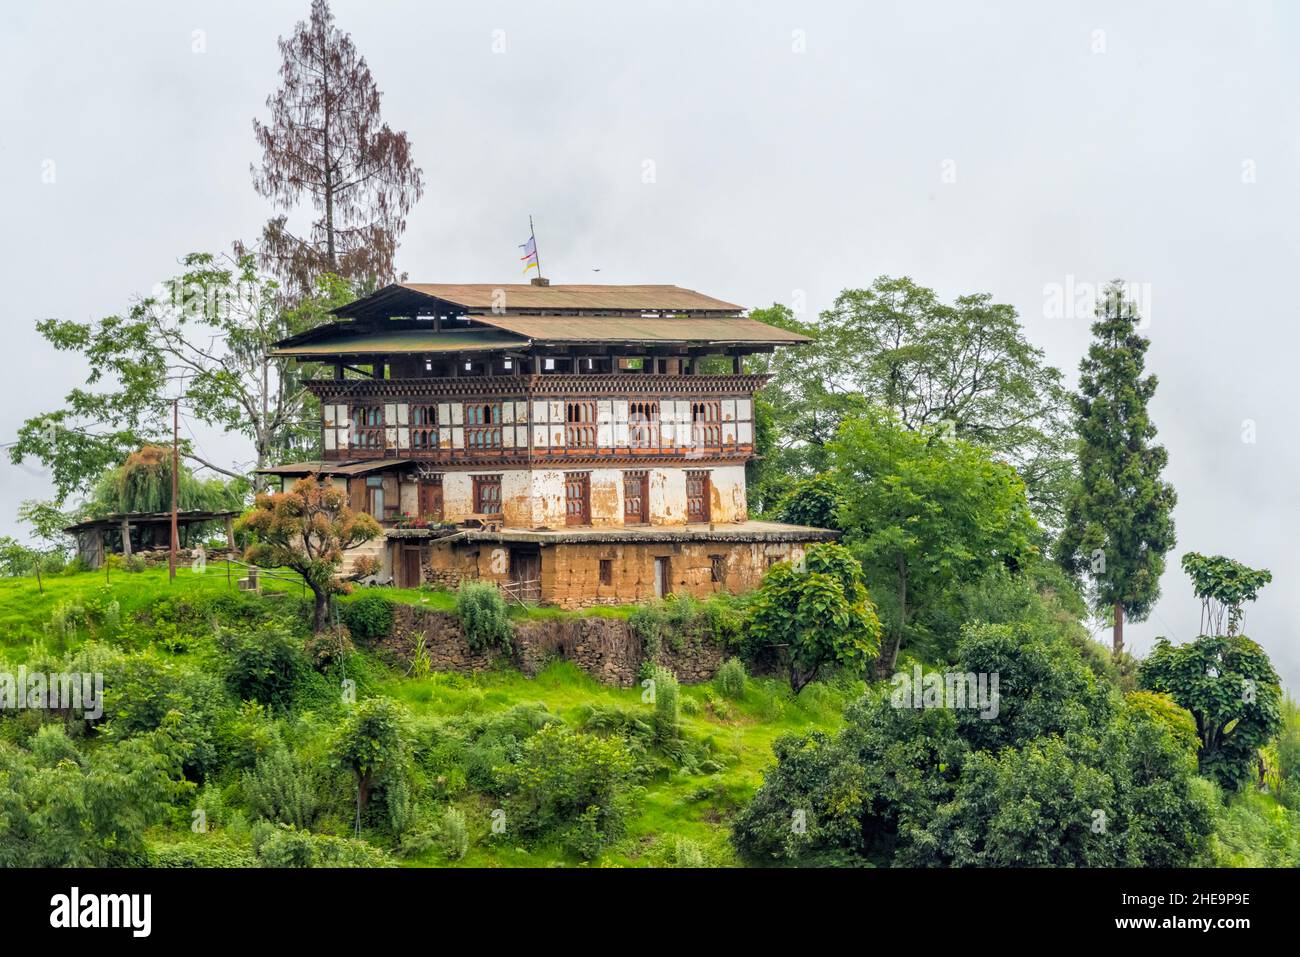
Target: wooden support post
{"x": 230, "y": 533}
{"x": 126, "y": 539}
{"x": 176, "y": 468}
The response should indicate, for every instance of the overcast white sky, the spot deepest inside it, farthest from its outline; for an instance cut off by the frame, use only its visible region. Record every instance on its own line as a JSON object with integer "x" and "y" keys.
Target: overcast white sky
{"x": 797, "y": 148}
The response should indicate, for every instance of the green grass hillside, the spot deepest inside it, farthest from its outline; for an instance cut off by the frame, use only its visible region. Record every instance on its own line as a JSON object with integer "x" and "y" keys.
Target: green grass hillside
{"x": 680, "y": 802}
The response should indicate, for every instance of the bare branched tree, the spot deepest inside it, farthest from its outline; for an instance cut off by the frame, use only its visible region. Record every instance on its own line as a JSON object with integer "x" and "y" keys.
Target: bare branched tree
{"x": 327, "y": 143}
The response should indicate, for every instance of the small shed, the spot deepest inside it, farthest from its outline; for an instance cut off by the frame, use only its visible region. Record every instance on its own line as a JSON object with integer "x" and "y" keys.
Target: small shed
{"x": 128, "y": 533}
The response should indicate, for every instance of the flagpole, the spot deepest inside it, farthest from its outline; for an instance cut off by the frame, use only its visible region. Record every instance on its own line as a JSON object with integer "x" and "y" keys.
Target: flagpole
{"x": 532, "y": 232}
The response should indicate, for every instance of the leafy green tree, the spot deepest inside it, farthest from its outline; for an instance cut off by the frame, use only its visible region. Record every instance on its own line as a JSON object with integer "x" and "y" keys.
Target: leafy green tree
{"x": 15, "y": 558}
{"x": 925, "y": 515}
{"x": 372, "y": 744}
{"x": 812, "y": 501}
{"x": 1075, "y": 777}
{"x": 47, "y": 523}
{"x": 965, "y": 369}
{"x": 570, "y": 787}
{"x": 207, "y": 334}
{"x": 63, "y": 809}
{"x": 262, "y": 664}
{"x": 1229, "y": 685}
{"x": 307, "y": 529}
{"x": 143, "y": 483}
{"x": 1119, "y": 522}
{"x": 1223, "y": 586}
{"x": 813, "y": 613}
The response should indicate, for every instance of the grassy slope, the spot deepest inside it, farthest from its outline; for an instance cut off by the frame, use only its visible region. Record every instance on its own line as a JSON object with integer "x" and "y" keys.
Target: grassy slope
{"x": 682, "y": 805}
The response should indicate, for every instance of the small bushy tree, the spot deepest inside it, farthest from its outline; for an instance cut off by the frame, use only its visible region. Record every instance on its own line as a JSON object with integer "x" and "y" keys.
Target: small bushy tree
{"x": 307, "y": 529}
{"x": 814, "y": 613}
{"x": 1230, "y": 687}
{"x": 1223, "y": 586}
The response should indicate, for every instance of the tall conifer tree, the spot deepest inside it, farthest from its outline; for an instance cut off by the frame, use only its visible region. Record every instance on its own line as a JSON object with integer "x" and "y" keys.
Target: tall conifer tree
{"x": 1119, "y": 522}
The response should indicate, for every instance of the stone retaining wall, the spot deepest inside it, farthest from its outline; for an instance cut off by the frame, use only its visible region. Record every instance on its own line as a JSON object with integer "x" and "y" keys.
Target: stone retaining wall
{"x": 605, "y": 648}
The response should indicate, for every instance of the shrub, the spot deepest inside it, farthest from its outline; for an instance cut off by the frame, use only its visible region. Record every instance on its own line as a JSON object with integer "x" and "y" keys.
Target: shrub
{"x": 262, "y": 665}
{"x": 667, "y": 701}
{"x": 281, "y": 789}
{"x": 483, "y": 619}
{"x": 686, "y": 853}
{"x": 730, "y": 679}
{"x": 286, "y": 846}
{"x": 209, "y": 852}
{"x": 454, "y": 835}
{"x": 572, "y": 787}
{"x": 647, "y": 622}
{"x": 369, "y": 616}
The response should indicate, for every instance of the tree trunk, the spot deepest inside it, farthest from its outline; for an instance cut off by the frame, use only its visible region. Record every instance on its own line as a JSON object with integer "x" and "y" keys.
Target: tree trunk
{"x": 1117, "y": 638}
{"x": 798, "y": 679}
{"x": 322, "y": 617}
{"x": 888, "y": 656}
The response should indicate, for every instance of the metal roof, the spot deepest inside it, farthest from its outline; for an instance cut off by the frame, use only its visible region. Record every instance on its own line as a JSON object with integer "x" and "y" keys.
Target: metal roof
{"x": 333, "y": 468}
{"x": 352, "y": 342}
{"x": 728, "y": 329}
{"x": 115, "y": 519}
{"x": 405, "y": 299}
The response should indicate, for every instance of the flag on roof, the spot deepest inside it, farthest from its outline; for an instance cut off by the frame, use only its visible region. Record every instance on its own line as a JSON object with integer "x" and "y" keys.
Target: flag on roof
{"x": 529, "y": 258}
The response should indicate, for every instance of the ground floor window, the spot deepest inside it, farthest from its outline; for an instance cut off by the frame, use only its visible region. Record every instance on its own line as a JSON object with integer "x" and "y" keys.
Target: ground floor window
{"x": 577, "y": 498}
{"x": 636, "y": 498}
{"x": 487, "y": 494}
{"x": 697, "y": 496}
{"x": 607, "y": 571}
{"x": 718, "y": 568}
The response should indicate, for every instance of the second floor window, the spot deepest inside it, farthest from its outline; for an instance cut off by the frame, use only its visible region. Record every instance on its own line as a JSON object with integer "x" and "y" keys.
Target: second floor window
{"x": 643, "y": 425}
{"x": 706, "y": 424}
{"x": 483, "y": 426}
{"x": 424, "y": 427}
{"x": 580, "y": 424}
{"x": 368, "y": 427}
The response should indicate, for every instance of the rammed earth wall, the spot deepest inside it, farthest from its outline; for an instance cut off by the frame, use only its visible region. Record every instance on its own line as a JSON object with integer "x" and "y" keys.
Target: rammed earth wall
{"x": 605, "y": 648}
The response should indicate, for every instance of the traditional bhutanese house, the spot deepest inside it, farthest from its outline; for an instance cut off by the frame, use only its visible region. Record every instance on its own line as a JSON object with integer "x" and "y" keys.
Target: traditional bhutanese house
{"x": 575, "y": 444}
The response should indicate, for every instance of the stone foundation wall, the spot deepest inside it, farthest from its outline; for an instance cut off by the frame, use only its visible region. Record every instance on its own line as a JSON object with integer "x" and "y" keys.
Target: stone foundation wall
{"x": 605, "y": 648}
{"x": 571, "y": 575}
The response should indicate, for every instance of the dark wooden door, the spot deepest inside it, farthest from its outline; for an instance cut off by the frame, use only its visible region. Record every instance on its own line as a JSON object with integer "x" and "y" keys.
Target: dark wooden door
{"x": 431, "y": 499}
{"x": 411, "y": 568}
{"x": 577, "y": 498}
{"x": 697, "y": 496}
{"x": 526, "y": 574}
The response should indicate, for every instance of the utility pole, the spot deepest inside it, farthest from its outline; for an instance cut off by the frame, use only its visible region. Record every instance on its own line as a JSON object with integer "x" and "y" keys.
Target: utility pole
{"x": 176, "y": 458}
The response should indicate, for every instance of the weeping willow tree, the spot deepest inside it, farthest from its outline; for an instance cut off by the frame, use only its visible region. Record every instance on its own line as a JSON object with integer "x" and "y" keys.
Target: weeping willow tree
{"x": 143, "y": 483}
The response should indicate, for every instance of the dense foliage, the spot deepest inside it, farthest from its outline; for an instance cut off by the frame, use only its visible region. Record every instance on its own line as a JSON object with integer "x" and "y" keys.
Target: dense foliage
{"x": 1069, "y": 774}
{"x": 1230, "y": 687}
{"x": 814, "y": 612}
{"x": 925, "y": 515}
{"x": 1223, "y": 585}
